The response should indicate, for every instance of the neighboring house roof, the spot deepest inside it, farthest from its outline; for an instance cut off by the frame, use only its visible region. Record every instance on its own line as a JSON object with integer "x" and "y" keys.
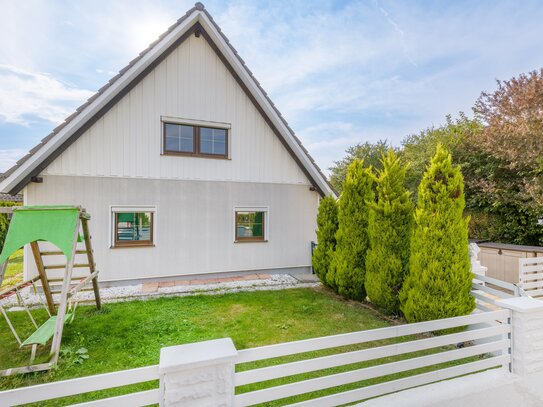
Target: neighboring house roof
{"x": 11, "y": 198}
{"x": 196, "y": 21}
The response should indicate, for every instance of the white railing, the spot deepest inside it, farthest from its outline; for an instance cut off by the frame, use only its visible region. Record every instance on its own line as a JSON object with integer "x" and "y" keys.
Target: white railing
{"x": 531, "y": 275}
{"x": 497, "y": 343}
{"x": 487, "y": 291}
{"x": 497, "y": 346}
{"x": 55, "y": 390}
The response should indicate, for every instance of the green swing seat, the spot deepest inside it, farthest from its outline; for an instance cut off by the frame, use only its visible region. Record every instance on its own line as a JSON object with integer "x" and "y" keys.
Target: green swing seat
{"x": 45, "y": 332}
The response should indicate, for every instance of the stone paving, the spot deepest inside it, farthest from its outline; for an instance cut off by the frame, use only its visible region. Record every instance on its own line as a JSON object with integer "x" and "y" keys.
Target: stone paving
{"x": 153, "y": 287}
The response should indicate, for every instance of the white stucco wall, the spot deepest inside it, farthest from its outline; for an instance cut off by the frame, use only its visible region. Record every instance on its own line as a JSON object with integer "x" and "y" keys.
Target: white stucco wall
{"x": 194, "y": 224}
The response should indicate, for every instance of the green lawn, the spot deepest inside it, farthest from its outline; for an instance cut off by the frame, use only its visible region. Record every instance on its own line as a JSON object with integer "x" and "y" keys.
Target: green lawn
{"x": 130, "y": 334}
{"x": 14, "y": 272}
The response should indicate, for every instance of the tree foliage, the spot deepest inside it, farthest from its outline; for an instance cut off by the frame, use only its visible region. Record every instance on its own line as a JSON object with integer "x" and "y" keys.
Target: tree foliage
{"x": 370, "y": 154}
{"x": 349, "y": 263}
{"x": 4, "y": 223}
{"x": 504, "y": 173}
{"x": 513, "y": 133}
{"x": 439, "y": 281}
{"x": 327, "y": 225}
{"x": 418, "y": 149}
{"x": 389, "y": 232}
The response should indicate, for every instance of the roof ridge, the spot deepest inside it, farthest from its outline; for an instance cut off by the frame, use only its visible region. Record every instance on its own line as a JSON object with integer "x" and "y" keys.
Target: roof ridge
{"x": 198, "y": 6}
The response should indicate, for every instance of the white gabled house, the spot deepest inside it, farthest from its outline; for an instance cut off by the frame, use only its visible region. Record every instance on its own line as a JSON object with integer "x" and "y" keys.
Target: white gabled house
{"x": 184, "y": 163}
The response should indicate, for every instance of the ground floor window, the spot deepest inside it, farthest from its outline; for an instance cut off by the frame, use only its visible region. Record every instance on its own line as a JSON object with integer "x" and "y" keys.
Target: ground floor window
{"x": 133, "y": 226}
{"x": 251, "y": 224}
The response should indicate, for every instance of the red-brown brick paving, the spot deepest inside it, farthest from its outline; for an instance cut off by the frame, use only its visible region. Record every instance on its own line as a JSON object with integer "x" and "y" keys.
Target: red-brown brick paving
{"x": 154, "y": 286}
{"x": 149, "y": 287}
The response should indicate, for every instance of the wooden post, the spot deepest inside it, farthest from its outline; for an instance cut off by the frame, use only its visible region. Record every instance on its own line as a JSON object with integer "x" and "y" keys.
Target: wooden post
{"x": 43, "y": 277}
{"x": 90, "y": 258}
{"x": 63, "y": 303}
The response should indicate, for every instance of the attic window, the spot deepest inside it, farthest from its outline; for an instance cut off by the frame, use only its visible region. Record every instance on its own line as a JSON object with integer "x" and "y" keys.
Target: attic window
{"x": 195, "y": 140}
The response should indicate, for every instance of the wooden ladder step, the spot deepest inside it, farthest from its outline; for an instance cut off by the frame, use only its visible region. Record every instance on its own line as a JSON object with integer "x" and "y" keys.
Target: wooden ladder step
{"x": 58, "y": 253}
{"x": 61, "y": 266}
{"x": 74, "y": 280}
{"x": 59, "y": 290}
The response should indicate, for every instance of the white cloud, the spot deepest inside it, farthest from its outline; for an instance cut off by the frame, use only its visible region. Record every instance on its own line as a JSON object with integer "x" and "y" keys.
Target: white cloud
{"x": 9, "y": 157}
{"x": 340, "y": 72}
{"x": 28, "y": 95}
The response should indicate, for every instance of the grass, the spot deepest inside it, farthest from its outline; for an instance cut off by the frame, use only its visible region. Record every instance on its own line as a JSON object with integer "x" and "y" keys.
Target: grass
{"x": 131, "y": 334}
{"x": 14, "y": 271}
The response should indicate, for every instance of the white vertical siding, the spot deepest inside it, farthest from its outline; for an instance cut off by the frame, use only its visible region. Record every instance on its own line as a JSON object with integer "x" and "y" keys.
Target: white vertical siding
{"x": 194, "y": 224}
{"x": 190, "y": 83}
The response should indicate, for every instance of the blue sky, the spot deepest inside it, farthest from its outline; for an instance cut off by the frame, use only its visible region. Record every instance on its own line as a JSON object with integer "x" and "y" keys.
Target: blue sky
{"x": 341, "y": 72}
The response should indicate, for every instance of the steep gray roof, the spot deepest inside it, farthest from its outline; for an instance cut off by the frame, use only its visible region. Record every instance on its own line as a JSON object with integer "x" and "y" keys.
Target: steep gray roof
{"x": 11, "y": 198}
{"x": 197, "y": 7}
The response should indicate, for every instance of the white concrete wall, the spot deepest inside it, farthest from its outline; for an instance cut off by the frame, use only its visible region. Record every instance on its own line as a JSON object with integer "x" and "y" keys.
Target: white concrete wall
{"x": 191, "y": 83}
{"x": 194, "y": 224}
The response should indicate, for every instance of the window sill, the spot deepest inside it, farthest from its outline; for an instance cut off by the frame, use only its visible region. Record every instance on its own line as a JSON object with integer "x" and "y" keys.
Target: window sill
{"x": 131, "y": 246}
{"x": 251, "y": 241}
{"x": 180, "y": 154}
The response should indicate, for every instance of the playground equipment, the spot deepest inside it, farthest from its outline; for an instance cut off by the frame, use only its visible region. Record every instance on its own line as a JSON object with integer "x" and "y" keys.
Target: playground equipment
{"x": 59, "y": 225}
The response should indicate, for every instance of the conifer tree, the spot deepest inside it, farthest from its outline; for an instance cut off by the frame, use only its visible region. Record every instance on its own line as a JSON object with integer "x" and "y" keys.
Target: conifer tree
{"x": 389, "y": 232}
{"x": 327, "y": 225}
{"x": 439, "y": 280}
{"x": 349, "y": 263}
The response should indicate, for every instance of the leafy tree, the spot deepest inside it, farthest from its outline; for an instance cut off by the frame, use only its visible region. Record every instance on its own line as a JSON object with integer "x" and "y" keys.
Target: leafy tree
{"x": 389, "y": 231}
{"x": 418, "y": 149}
{"x": 513, "y": 116}
{"x": 439, "y": 281}
{"x": 327, "y": 225}
{"x": 349, "y": 263}
{"x": 367, "y": 152}
{"x": 511, "y": 143}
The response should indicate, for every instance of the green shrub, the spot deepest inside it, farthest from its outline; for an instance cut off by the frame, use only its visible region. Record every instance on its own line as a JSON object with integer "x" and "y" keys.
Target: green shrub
{"x": 389, "y": 232}
{"x": 439, "y": 280}
{"x": 326, "y": 237}
{"x": 4, "y": 223}
{"x": 349, "y": 263}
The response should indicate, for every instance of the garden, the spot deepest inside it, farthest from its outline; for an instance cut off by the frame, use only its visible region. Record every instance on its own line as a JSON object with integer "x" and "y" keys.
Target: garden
{"x": 131, "y": 334}
{"x": 392, "y": 248}
{"x": 380, "y": 261}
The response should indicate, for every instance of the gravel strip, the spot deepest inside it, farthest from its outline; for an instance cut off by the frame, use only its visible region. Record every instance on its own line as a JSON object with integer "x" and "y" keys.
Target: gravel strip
{"x": 135, "y": 292}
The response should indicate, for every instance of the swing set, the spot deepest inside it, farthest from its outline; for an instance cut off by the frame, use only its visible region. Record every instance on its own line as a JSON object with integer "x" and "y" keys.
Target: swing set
{"x": 59, "y": 225}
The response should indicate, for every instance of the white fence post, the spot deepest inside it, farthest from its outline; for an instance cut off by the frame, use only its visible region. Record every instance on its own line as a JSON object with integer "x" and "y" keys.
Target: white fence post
{"x": 198, "y": 374}
{"x": 527, "y": 334}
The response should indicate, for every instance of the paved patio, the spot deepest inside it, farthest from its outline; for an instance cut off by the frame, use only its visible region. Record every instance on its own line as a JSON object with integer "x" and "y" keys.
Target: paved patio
{"x": 496, "y": 388}
{"x": 153, "y": 287}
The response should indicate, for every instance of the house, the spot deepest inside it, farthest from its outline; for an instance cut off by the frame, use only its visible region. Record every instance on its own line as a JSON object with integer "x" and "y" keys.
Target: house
{"x": 184, "y": 163}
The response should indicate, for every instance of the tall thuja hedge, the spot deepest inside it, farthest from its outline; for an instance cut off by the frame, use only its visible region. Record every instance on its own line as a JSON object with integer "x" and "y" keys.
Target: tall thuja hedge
{"x": 349, "y": 263}
{"x": 389, "y": 232}
{"x": 327, "y": 224}
{"x": 439, "y": 280}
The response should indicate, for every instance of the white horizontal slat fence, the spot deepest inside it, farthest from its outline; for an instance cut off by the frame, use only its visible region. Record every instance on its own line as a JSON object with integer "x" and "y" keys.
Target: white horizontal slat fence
{"x": 531, "y": 276}
{"x": 488, "y": 290}
{"x": 55, "y": 390}
{"x": 486, "y": 343}
{"x": 492, "y": 327}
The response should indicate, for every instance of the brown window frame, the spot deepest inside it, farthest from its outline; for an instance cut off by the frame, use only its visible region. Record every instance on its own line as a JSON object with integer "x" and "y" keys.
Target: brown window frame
{"x": 133, "y": 243}
{"x": 195, "y": 142}
{"x": 241, "y": 239}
